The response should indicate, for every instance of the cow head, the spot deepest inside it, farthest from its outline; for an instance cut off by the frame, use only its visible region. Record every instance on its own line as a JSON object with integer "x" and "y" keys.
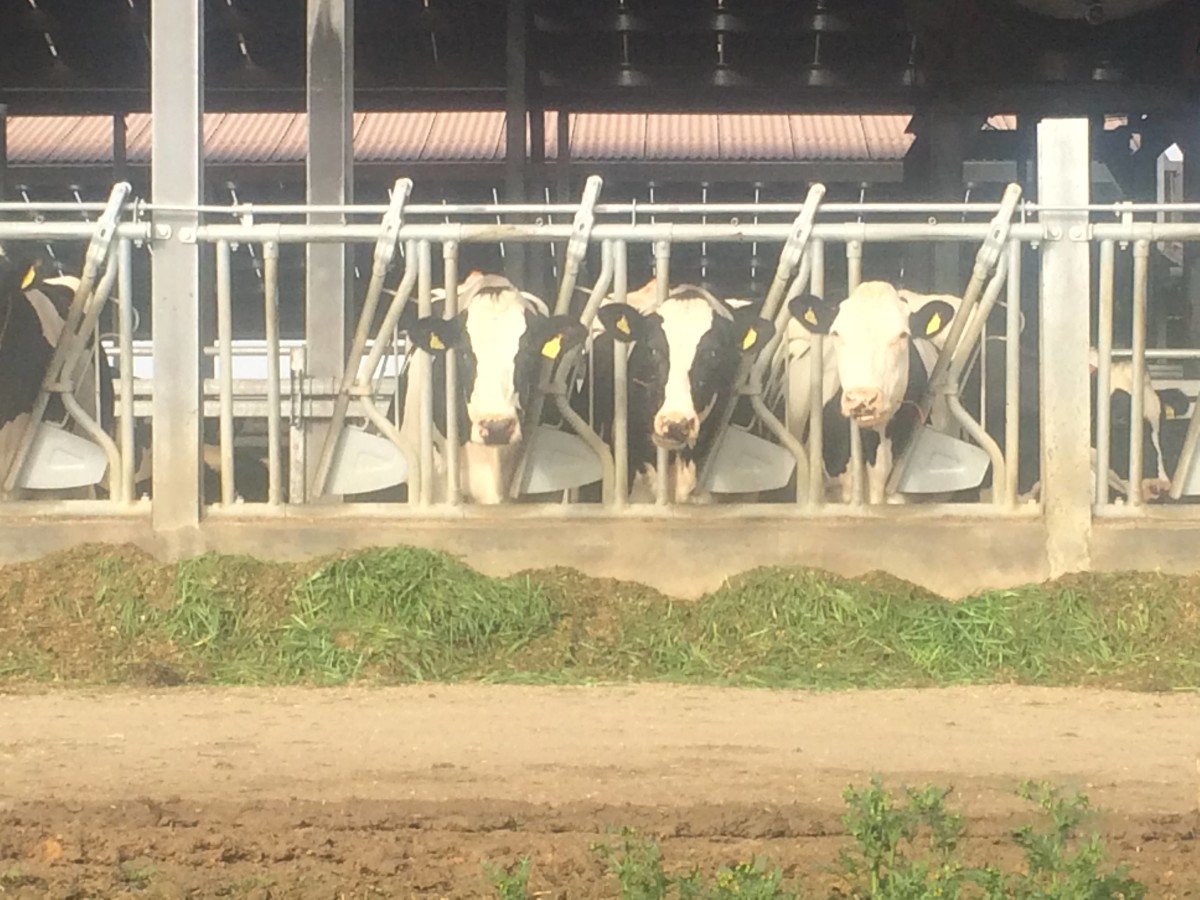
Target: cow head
{"x": 686, "y": 351}
{"x": 501, "y": 334}
{"x": 872, "y": 331}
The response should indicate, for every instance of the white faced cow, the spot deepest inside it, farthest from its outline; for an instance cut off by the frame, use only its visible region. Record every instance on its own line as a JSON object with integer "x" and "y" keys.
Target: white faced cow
{"x": 502, "y": 336}
{"x": 682, "y": 364}
{"x": 873, "y": 337}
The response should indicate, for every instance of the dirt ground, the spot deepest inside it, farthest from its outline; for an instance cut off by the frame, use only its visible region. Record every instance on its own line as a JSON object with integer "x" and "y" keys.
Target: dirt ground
{"x": 404, "y": 792}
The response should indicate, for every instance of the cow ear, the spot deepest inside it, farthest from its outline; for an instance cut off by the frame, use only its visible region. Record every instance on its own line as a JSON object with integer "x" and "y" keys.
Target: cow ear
{"x": 754, "y": 334}
{"x": 622, "y": 321}
{"x": 559, "y": 334}
{"x": 931, "y": 319}
{"x": 814, "y": 313}
{"x": 434, "y": 334}
{"x": 1175, "y": 403}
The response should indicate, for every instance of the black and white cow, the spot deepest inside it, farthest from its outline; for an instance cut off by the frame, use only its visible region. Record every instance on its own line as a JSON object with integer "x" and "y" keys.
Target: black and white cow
{"x": 682, "y": 364}
{"x": 502, "y": 336}
{"x": 1161, "y": 410}
{"x": 33, "y": 310}
{"x": 878, "y": 373}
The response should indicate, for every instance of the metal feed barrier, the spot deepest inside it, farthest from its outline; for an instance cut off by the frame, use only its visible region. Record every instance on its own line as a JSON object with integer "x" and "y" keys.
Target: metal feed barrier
{"x": 363, "y": 450}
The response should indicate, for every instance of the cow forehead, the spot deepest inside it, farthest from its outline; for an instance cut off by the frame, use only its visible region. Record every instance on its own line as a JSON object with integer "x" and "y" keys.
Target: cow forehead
{"x": 873, "y": 309}
{"x": 495, "y": 321}
{"x": 686, "y": 320}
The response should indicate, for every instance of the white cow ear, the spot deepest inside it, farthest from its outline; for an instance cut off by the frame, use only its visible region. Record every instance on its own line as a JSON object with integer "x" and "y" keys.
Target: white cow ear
{"x": 434, "y": 334}
{"x": 814, "y": 313}
{"x": 931, "y": 319}
{"x": 622, "y": 321}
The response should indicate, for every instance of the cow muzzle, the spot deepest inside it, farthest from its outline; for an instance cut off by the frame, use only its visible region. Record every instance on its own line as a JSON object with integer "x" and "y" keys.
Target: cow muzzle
{"x": 864, "y": 406}
{"x": 676, "y": 432}
{"x": 496, "y": 432}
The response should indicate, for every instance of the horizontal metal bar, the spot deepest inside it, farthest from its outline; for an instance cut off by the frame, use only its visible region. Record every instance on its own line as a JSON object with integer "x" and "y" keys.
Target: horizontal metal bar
{"x": 1144, "y": 231}
{"x": 68, "y": 231}
{"x": 877, "y": 232}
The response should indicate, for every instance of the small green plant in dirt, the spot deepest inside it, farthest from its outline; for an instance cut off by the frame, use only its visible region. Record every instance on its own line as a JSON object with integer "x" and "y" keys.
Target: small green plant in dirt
{"x": 637, "y": 863}
{"x": 881, "y": 864}
{"x": 745, "y": 881}
{"x": 510, "y": 882}
{"x": 1054, "y": 869}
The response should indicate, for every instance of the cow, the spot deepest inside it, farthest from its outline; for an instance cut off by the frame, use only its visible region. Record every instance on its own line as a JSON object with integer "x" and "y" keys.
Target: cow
{"x": 683, "y": 359}
{"x": 1158, "y": 408}
{"x": 502, "y": 335}
{"x": 877, "y": 376}
{"x": 33, "y": 311}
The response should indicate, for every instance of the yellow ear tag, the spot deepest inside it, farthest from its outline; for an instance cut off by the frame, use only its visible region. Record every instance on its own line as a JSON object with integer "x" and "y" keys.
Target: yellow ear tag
{"x": 810, "y": 317}
{"x": 552, "y": 347}
{"x": 1170, "y": 412}
{"x": 436, "y": 342}
{"x": 29, "y": 276}
{"x": 750, "y": 338}
{"x": 935, "y": 323}
{"x": 623, "y": 325}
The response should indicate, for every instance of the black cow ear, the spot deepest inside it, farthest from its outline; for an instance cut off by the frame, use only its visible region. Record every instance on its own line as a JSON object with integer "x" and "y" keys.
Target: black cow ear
{"x": 434, "y": 334}
{"x": 559, "y": 334}
{"x": 622, "y": 321}
{"x": 931, "y": 319}
{"x": 814, "y": 313}
{"x": 1175, "y": 403}
{"x": 754, "y": 334}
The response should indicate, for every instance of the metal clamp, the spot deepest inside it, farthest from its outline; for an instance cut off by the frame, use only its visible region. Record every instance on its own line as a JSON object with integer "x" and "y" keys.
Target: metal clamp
{"x": 793, "y": 250}
{"x": 997, "y": 236}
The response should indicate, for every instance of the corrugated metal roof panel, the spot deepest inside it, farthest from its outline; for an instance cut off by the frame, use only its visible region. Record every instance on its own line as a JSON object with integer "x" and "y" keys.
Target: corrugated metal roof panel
{"x": 682, "y": 137}
{"x": 755, "y": 137}
{"x": 293, "y": 145}
{"x": 248, "y": 137}
{"x": 609, "y": 136}
{"x": 465, "y": 137}
{"x": 886, "y": 137}
{"x": 38, "y": 140}
{"x": 137, "y": 137}
{"x": 392, "y": 135}
{"x": 552, "y": 134}
{"x": 828, "y": 137}
{"x": 1003, "y": 122}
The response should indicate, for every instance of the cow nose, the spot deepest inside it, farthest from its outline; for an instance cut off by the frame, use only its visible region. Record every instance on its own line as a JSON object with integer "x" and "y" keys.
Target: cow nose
{"x": 497, "y": 431}
{"x": 861, "y": 401}
{"x": 678, "y": 429}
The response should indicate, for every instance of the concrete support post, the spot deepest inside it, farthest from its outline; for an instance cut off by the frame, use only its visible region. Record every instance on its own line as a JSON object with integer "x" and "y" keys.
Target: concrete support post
{"x": 177, "y": 179}
{"x": 329, "y": 282}
{"x": 562, "y": 163}
{"x": 1064, "y": 179}
{"x": 516, "y": 107}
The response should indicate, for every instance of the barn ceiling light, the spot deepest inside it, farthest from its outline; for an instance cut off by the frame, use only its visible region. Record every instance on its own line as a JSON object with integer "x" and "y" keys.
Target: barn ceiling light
{"x": 50, "y": 43}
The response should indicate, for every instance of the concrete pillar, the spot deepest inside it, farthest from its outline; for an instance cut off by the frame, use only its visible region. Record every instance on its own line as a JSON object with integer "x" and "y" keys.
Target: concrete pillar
{"x": 177, "y": 179}
{"x": 329, "y": 270}
{"x": 516, "y": 107}
{"x": 1064, "y": 179}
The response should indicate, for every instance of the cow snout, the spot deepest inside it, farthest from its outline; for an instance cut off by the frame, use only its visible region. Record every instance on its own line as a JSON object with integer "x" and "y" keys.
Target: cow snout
{"x": 1154, "y": 489}
{"x": 494, "y": 432}
{"x": 675, "y": 432}
{"x": 863, "y": 404}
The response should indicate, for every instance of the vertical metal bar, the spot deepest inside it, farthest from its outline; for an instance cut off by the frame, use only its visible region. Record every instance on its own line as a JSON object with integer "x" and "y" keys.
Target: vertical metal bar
{"x": 1141, "y": 275}
{"x": 329, "y": 180}
{"x": 516, "y": 107}
{"x": 423, "y": 369}
{"x": 177, "y": 179}
{"x": 1104, "y": 371}
{"x": 297, "y": 448}
{"x": 125, "y": 358}
{"x": 854, "y": 250}
{"x": 270, "y": 255}
{"x": 1064, "y": 180}
{"x": 1012, "y": 377}
{"x": 225, "y": 357}
{"x": 4, "y": 151}
{"x": 620, "y": 431}
{"x": 662, "y": 287}
{"x": 816, "y": 387}
{"x": 450, "y": 264}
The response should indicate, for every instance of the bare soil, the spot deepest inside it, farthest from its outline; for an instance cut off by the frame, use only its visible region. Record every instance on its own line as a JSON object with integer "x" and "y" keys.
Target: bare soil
{"x": 400, "y": 792}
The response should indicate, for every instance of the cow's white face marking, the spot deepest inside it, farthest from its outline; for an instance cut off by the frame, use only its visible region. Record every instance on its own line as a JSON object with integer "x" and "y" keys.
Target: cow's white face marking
{"x": 870, "y": 336}
{"x": 495, "y": 324}
{"x": 685, "y": 321}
